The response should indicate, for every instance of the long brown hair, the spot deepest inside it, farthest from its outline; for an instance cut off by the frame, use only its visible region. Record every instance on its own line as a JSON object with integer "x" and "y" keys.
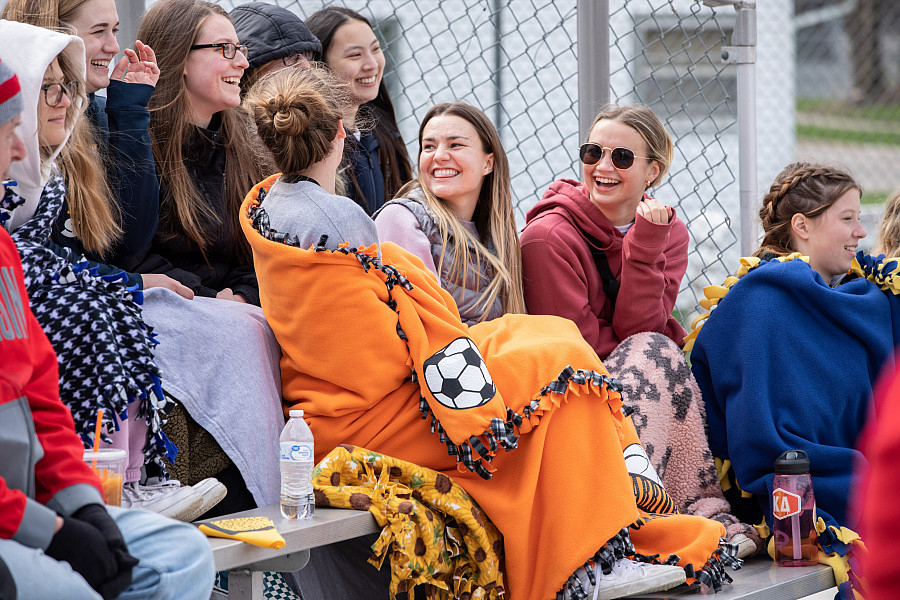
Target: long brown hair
{"x": 171, "y": 27}
{"x": 95, "y": 214}
{"x": 392, "y": 155}
{"x": 494, "y": 219}
{"x": 801, "y": 188}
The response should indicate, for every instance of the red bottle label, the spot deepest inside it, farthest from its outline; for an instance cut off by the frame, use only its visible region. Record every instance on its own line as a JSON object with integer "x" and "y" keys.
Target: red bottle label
{"x": 785, "y": 504}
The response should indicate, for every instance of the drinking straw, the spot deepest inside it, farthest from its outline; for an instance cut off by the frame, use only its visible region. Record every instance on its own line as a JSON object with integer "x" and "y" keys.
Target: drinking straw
{"x": 795, "y": 532}
{"x": 97, "y": 437}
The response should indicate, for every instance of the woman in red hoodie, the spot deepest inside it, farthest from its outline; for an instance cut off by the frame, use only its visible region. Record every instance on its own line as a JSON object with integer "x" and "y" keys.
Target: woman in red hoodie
{"x": 608, "y": 256}
{"x": 603, "y": 253}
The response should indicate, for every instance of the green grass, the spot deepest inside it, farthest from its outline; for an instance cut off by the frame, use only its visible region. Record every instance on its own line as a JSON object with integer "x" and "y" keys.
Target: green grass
{"x": 814, "y": 132}
{"x": 873, "y": 112}
{"x": 876, "y": 197}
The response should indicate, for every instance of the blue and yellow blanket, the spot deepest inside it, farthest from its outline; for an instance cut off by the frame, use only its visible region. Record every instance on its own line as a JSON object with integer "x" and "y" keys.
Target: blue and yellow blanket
{"x": 785, "y": 361}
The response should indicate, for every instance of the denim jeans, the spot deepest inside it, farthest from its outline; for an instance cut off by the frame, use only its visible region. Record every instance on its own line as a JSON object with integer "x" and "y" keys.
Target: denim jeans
{"x": 175, "y": 563}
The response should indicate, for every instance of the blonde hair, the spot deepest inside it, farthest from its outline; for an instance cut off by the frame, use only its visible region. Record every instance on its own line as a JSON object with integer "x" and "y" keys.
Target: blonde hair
{"x": 171, "y": 27}
{"x": 801, "y": 188}
{"x": 643, "y": 120}
{"x": 95, "y": 214}
{"x": 494, "y": 218}
{"x": 297, "y": 114}
{"x": 889, "y": 230}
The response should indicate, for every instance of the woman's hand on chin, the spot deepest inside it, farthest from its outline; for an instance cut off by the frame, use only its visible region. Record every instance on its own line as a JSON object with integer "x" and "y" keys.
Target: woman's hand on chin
{"x": 655, "y": 211}
{"x": 152, "y": 280}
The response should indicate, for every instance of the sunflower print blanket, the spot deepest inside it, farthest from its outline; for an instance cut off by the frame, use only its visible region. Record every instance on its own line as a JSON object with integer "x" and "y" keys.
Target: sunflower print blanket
{"x": 433, "y": 534}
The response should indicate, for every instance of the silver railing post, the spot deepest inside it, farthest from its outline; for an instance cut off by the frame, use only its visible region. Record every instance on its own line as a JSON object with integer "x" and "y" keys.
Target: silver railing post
{"x": 593, "y": 61}
{"x": 742, "y": 53}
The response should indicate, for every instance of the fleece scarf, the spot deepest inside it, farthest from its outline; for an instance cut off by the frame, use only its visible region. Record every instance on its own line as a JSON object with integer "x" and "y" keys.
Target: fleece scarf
{"x": 785, "y": 361}
{"x": 519, "y": 411}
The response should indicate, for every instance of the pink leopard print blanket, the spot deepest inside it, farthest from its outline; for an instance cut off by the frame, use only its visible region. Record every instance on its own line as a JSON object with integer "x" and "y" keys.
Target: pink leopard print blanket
{"x": 671, "y": 421}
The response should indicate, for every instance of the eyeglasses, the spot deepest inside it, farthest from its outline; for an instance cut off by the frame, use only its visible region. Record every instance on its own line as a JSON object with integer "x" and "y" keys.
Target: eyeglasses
{"x": 228, "y": 49}
{"x": 622, "y": 158}
{"x": 53, "y": 92}
{"x": 293, "y": 59}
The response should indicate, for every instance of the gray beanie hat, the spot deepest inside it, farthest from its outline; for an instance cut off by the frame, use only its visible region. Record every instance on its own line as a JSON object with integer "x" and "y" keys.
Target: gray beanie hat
{"x": 272, "y": 32}
{"x": 11, "y": 103}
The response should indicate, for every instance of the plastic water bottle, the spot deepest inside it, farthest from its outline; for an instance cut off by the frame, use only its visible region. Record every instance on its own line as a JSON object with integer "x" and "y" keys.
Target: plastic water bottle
{"x": 297, "y": 461}
{"x": 794, "y": 511}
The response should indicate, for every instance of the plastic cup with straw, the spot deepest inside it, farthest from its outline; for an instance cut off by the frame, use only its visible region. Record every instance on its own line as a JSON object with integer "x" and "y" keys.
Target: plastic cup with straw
{"x": 97, "y": 437}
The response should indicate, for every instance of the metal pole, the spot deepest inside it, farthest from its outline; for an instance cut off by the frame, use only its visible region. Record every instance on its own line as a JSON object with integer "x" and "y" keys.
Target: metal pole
{"x": 744, "y": 40}
{"x": 499, "y": 63}
{"x": 130, "y": 13}
{"x": 593, "y": 61}
{"x": 742, "y": 53}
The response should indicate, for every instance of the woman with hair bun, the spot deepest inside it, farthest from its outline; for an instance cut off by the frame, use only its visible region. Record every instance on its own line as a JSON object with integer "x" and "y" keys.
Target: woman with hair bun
{"x": 301, "y": 117}
{"x": 786, "y": 360}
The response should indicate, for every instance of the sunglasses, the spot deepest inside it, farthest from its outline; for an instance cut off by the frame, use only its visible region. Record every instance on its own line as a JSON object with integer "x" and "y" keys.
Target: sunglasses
{"x": 228, "y": 49}
{"x": 622, "y": 158}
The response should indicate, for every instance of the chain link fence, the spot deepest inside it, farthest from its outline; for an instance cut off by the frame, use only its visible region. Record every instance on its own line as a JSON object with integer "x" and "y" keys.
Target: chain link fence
{"x": 848, "y": 92}
{"x": 827, "y": 73}
{"x": 518, "y": 62}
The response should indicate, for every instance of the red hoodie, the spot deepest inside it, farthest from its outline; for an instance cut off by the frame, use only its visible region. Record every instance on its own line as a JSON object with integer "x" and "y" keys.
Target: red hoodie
{"x": 561, "y": 277}
{"x": 42, "y": 471}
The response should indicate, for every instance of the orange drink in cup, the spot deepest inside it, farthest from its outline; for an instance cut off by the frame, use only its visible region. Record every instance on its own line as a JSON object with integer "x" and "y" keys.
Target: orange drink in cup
{"x": 109, "y": 464}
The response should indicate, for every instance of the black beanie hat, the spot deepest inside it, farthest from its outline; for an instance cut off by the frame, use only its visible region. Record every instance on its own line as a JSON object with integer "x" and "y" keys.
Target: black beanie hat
{"x": 272, "y": 32}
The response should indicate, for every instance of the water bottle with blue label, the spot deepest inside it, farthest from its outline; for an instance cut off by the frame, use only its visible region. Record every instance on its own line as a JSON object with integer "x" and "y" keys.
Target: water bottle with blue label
{"x": 297, "y": 462}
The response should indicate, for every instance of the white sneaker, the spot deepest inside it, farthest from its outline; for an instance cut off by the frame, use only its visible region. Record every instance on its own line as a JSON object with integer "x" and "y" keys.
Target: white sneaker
{"x": 629, "y": 577}
{"x": 212, "y": 491}
{"x": 168, "y": 498}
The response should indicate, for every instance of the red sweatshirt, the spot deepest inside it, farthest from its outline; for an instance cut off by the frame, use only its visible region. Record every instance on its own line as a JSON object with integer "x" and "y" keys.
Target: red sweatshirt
{"x": 561, "y": 277}
{"x": 41, "y": 466}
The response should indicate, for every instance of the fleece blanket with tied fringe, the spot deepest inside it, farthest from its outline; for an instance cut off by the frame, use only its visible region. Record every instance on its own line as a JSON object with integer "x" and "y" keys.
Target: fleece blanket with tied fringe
{"x": 808, "y": 386}
{"x": 519, "y": 411}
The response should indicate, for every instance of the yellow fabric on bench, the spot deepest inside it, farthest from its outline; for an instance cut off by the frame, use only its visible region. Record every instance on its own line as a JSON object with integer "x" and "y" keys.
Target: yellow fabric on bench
{"x": 259, "y": 531}
{"x": 434, "y": 533}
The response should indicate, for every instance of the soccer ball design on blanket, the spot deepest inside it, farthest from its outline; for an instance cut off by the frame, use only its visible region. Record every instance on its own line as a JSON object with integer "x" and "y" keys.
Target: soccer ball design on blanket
{"x": 457, "y": 376}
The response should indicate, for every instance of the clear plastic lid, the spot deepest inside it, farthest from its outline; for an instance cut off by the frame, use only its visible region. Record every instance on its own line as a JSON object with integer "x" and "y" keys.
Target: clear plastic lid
{"x": 296, "y": 412}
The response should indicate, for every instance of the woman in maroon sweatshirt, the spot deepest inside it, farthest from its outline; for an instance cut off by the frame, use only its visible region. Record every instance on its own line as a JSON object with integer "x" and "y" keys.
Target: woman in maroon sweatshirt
{"x": 606, "y": 255}
{"x": 603, "y": 253}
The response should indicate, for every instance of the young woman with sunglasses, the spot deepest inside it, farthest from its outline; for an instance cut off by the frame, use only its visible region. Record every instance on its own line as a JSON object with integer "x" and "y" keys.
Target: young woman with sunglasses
{"x": 603, "y": 252}
{"x": 377, "y": 163}
{"x": 457, "y": 215}
{"x": 608, "y": 256}
{"x": 276, "y": 38}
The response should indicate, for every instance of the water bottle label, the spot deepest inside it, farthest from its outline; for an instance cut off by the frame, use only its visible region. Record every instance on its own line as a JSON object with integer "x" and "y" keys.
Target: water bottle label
{"x": 299, "y": 451}
{"x": 785, "y": 504}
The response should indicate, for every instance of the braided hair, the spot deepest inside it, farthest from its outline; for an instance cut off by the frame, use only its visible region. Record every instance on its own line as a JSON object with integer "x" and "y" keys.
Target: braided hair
{"x": 801, "y": 188}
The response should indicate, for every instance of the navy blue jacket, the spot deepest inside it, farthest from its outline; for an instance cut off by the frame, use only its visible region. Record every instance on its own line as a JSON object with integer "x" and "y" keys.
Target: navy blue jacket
{"x": 362, "y": 156}
{"x": 123, "y": 121}
{"x": 177, "y": 255}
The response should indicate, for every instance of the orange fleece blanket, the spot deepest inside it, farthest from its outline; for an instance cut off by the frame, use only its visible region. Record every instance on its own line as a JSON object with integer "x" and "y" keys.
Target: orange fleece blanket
{"x": 375, "y": 354}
